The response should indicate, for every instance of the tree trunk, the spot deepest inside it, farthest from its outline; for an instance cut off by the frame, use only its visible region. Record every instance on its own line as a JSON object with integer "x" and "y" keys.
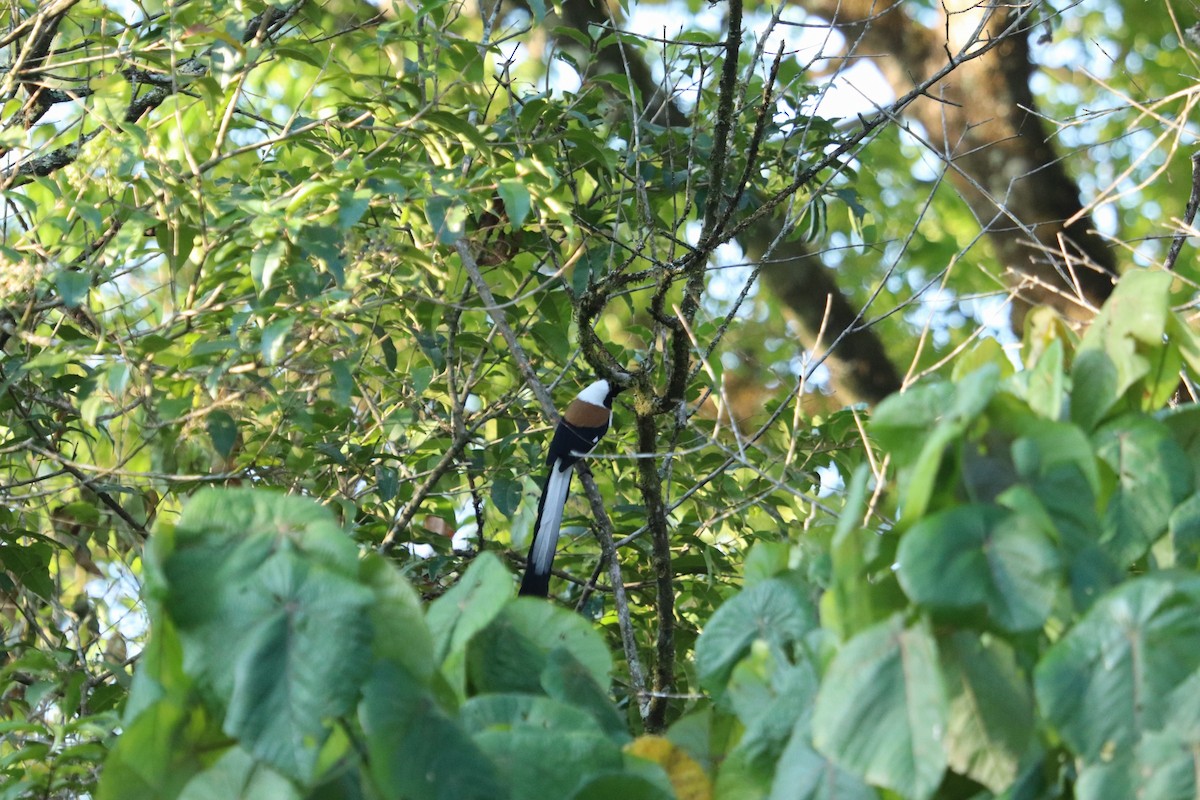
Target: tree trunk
{"x": 982, "y": 120}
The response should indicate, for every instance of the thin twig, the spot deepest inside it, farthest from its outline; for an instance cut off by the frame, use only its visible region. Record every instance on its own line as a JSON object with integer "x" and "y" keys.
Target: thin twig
{"x": 1189, "y": 214}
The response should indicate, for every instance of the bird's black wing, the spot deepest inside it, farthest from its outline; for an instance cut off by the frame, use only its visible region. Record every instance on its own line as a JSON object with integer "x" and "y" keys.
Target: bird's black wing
{"x": 570, "y": 443}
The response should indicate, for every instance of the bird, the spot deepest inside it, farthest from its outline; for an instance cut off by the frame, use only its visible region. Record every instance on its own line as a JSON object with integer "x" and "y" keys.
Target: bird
{"x": 582, "y": 425}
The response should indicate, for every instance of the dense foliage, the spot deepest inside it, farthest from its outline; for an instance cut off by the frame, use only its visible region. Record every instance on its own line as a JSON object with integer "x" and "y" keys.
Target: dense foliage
{"x": 343, "y": 261}
{"x": 992, "y": 633}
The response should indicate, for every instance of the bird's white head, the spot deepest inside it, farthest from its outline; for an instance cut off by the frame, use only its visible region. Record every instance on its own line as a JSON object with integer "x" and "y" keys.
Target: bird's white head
{"x": 597, "y": 393}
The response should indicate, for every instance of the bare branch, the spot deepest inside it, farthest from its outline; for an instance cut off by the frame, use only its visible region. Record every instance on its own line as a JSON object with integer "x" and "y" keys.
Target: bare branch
{"x": 1189, "y": 214}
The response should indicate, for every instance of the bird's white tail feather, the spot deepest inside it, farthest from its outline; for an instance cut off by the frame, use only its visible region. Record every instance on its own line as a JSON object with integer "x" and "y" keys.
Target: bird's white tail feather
{"x": 546, "y": 536}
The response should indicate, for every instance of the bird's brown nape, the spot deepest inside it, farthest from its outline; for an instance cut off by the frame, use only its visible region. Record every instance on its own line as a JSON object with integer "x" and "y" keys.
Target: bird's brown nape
{"x": 582, "y": 414}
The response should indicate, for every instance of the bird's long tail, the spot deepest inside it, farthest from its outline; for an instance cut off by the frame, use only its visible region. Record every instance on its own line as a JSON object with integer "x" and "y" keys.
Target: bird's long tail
{"x": 545, "y": 531}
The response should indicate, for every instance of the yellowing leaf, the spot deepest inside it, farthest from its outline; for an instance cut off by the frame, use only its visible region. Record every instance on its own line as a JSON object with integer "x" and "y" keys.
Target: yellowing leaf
{"x": 687, "y": 777}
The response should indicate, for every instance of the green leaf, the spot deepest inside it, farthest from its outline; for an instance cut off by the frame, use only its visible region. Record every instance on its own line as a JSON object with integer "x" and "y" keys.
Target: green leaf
{"x": 1095, "y": 387}
{"x": 117, "y": 378}
{"x": 157, "y": 753}
{"x": 447, "y": 216}
{"x": 881, "y": 711}
{"x": 902, "y": 420}
{"x": 1120, "y": 345}
{"x": 387, "y": 481}
{"x": 991, "y": 720}
{"x": 1043, "y": 446}
{"x": 222, "y": 431}
{"x": 467, "y": 608}
{"x": 1153, "y": 476}
{"x": 110, "y": 99}
{"x": 804, "y": 774}
{"x": 1046, "y": 387}
{"x": 458, "y": 126}
{"x": 769, "y": 696}
{"x": 774, "y": 611}
{"x": 922, "y": 479}
{"x": 1110, "y": 679}
{"x": 622, "y": 786}
{"x": 298, "y": 666}
{"x": 72, "y": 286}
{"x": 237, "y": 775}
{"x": 542, "y": 747}
{"x": 765, "y": 560}
{"x": 506, "y": 495}
{"x": 351, "y": 207}
{"x": 265, "y": 261}
{"x": 1186, "y": 339}
{"x": 1068, "y": 500}
{"x": 397, "y": 621}
{"x": 343, "y": 382}
{"x": 1184, "y": 526}
{"x": 512, "y": 651}
{"x": 903, "y": 425}
{"x": 859, "y": 595}
{"x": 1163, "y": 766}
{"x": 274, "y": 336}
{"x": 415, "y": 749}
{"x": 29, "y": 566}
{"x": 164, "y": 731}
{"x": 263, "y": 590}
{"x": 981, "y": 556}
{"x": 1137, "y": 310}
{"x": 516, "y": 201}
{"x": 566, "y": 679}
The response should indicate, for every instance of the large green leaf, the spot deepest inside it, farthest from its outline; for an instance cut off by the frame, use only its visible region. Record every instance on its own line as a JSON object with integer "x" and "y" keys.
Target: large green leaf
{"x": 164, "y": 731}
{"x": 1041, "y": 446}
{"x": 1119, "y": 347}
{"x": 920, "y": 455}
{"x": 882, "y": 712}
{"x": 1137, "y": 310}
{"x": 478, "y": 596}
{"x": 1163, "y": 766}
{"x": 862, "y": 588}
{"x": 157, "y": 754}
{"x": 768, "y": 698}
{"x": 263, "y": 590}
{"x": 1097, "y": 385}
{"x": 775, "y": 611}
{"x": 1067, "y": 499}
{"x": 237, "y": 776}
{"x": 902, "y": 420}
{"x": 299, "y": 666}
{"x": 1110, "y": 679}
{"x": 415, "y": 750}
{"x": 566, "y": 679}
{"x": 1153, "y": 476}
{"x": 1045, "y": 382}
{"x": 804, "y": 774}
{"x": 981, "y": 556}
{"x": 622, "y": 786}
{"x": 1184, "y": 526}
{"x": 540, "y": 746}
{"x": 991, "y": 722}
{"x": 512, "y": 651}
{"x": 397, "y": 621}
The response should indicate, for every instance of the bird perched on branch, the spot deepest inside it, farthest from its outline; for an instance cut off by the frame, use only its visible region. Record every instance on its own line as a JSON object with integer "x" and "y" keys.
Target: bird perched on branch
{"x": 581, "y": 426}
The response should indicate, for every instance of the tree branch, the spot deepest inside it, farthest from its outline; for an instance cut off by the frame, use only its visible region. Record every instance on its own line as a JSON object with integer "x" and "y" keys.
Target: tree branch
{"x": 1189, "y": 214}
{"x": 650, "y": 485}
{"x": 595, "y": 500}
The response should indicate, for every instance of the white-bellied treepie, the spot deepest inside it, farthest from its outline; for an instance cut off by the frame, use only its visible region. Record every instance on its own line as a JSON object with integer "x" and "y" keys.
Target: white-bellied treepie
{"x": 581, "y": 426}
